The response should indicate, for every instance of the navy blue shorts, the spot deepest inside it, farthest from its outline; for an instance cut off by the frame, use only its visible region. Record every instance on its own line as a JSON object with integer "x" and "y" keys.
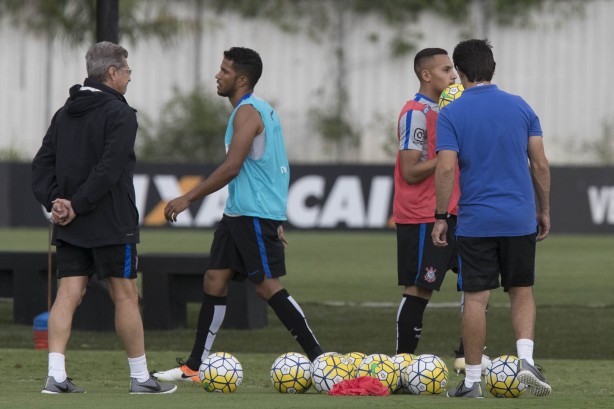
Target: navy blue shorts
{"x": 108, "y": 261}
{"x": 249, "y": 246}
{"x": 483, "y": 260}
{"x": 419, "y": 262}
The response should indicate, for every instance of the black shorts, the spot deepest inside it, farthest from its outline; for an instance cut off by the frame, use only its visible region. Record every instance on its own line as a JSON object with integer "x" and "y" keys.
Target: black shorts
{"x": 249, "y": 246}
{"x": 484, "y": 259}
{"x": 108, "y": 261}
{"x": 419, "y": 262}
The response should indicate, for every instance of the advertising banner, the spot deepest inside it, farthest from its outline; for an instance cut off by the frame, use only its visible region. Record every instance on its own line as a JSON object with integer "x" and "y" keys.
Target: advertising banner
{"x": 320, "y": 197}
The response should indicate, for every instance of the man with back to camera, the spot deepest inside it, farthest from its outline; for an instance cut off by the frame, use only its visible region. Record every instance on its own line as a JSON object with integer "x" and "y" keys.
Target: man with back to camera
{"x": 496, "y": 138}
{"x": 421, "y": 266}
{"x": 248, "y": 242}
{"x": 83, "y": 174}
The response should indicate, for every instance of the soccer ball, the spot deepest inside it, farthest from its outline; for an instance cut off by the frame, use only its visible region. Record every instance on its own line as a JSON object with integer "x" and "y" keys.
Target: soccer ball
{"x": 402, "y": 361}
{"x": 355, "y": 358}
{"x": 221, "y": 372}
{"x": 329, "y": 369}
{"x": 427, "y": 374}
{"x": 291, "y": 373}
{"x": 450, "y": 94}
{"x": 380, "y": 366}
{"x": 501, "y": 377}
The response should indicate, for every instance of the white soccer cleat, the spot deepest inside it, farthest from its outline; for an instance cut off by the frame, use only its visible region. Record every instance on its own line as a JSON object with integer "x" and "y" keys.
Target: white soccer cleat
{"x": 179, "y": 374}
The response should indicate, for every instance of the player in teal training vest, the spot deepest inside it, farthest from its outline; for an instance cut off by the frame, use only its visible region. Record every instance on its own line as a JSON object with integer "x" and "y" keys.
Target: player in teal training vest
{"x": 248, "y": 241}
{"x": 261, "y": 188}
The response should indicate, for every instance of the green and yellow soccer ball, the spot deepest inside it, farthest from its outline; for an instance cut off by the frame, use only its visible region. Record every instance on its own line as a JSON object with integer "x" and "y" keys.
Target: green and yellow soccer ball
{"x": 221, "y": 372}
{"x": 329, "y": 369}
{"x": 381, "y": 367}
{"x": 291, "y": 373}
{"x": 450, "y": 94}
{"x": 355, "y": 358}
{"x": 402, "y": 361}
{"x": 426, "y": 375}
{"x": 502, "y": 377}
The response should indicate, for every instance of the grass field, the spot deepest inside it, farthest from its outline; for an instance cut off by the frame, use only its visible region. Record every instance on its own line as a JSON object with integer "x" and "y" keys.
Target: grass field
{"x": 346, "y": 284}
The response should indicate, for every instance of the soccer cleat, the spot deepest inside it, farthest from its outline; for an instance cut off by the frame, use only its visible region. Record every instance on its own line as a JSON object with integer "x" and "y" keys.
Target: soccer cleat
{"x": 182, "y": 373}
{"x": 54, "y": 387}
{"x": 459, "y": 364}
{"x": 533, "y": 378}
{"x": 150, "y": 386}
{"x": 461, "y": 391}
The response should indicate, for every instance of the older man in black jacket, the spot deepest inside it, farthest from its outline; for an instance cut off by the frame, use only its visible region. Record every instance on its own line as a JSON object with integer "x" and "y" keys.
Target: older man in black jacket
{"x": 83, "y": 175}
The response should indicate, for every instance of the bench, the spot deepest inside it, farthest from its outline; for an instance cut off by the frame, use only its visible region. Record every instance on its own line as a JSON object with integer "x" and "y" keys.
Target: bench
{"x": 169, "y": 282}
{"x": 25, "y": 275}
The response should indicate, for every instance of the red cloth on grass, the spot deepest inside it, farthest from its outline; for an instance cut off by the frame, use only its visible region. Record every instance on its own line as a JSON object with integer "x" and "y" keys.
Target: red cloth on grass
{"x": 361, "y": 386}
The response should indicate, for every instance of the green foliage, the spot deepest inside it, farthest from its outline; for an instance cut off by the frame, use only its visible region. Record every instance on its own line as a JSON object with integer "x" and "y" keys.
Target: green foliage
{"x": 603, "y": 148}
{"x": 334, "y": 127}
{"x": 75, "y": 20}
{"x": 12, "y": 154}
{"x": 191, "y": 128}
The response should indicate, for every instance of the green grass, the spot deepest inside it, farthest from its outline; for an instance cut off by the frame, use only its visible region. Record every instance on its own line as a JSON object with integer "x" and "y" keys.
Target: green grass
{"x": 576, "y": 384}
{"x": 573, "y": 335}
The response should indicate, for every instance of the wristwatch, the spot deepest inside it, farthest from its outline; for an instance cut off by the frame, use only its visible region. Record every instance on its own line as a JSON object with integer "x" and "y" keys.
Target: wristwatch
{"x": 441, "y": 216}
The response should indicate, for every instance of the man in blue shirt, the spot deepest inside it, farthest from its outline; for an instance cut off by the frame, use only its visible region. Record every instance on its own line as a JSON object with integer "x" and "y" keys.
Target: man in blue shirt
{"x": 248, "y": 241}
{"x": 497, "y": 140}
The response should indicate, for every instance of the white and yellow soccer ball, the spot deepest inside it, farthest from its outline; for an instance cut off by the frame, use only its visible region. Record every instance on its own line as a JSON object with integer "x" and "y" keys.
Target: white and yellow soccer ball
{"x": 402, "y": 361}
{"x": 291, "y": 373}
{"x": 329, "y": 369}
{"x": 355, "y": 358}
{"x": 381, "y": 367}
{"x": 450, "y": 94}
{"x": 221, "y": 372}
{"x": 502, "y": 377}
{"x": 426, "y": 375}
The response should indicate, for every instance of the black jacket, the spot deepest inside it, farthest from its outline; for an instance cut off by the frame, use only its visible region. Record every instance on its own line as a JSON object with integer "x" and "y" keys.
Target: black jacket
{"x": 87, "y": 157}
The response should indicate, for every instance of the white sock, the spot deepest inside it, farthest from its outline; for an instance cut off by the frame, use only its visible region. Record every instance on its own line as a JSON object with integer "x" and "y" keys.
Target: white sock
{"x": 57, "y": 366}
{"x": 472, "y": 374}
{"x": 138, "y": 368}
{"x": 524, "y": 347}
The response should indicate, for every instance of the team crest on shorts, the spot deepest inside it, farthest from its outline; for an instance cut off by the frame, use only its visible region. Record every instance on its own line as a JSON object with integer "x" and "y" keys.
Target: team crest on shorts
{"x": 430, "y": 276}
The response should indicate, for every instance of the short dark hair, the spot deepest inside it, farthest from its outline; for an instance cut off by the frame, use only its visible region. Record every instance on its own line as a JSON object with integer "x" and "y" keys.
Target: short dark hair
{"x": 474, "y": 58}
{"x": 425, "y": 54}
{"x": 245, "y": 62}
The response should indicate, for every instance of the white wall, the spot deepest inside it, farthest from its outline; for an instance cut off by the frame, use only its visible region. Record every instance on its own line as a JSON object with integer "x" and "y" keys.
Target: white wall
{"x": 560, "y": 69}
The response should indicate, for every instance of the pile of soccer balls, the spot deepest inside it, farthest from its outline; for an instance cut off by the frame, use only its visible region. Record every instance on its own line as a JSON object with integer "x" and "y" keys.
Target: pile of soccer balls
{"x": 424, "y": 374}
{"x": 403, "y": 373}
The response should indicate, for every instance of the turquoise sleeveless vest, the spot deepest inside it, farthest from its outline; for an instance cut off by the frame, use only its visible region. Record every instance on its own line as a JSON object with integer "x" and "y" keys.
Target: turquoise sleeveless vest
{"x": 261, "y": 187}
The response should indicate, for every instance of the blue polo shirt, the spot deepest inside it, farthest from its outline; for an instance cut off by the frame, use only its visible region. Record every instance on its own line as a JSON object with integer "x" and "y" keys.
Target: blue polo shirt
{"x": 490, "y": 130}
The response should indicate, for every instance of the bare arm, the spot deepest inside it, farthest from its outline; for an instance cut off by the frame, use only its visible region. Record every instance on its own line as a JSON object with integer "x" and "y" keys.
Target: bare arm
{"x": 247, "y": 124}
{"x": 415, "y": 171}
{"x": 445, "y": 174}
{"x": 540, "y": 173}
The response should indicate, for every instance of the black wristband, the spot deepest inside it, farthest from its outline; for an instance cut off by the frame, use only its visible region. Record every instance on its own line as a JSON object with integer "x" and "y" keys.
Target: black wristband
{"x": 441, "y": 216}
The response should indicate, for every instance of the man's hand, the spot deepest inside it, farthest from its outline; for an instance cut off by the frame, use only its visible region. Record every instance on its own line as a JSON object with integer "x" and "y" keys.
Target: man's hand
{"x": 174, "y": 207}
{"x": 62, "y": 212}
{"x": 282, "y": 236}
{"x": 440, "y": 231}
{"x": 543, "y": 220}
